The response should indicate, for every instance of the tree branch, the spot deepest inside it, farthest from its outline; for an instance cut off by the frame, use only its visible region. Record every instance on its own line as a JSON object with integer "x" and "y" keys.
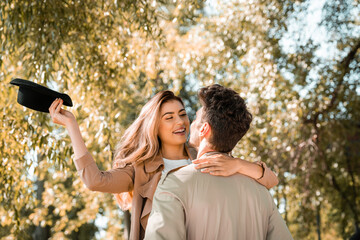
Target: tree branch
{"x": 345, "y": 66}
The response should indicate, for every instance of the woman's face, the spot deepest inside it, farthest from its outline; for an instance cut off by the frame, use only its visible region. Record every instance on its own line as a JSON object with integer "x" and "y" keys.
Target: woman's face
{"x": 174, "y": 123}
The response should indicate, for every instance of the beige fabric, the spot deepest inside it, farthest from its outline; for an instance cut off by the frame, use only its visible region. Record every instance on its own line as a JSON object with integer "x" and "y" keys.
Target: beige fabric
{"x": 142, "y": 179}
{"x": 191, "y": 205}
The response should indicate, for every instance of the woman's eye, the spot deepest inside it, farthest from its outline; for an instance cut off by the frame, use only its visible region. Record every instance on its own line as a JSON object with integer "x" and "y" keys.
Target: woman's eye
{"x": 168, "y": 118}
{"x": 184, "y": 114}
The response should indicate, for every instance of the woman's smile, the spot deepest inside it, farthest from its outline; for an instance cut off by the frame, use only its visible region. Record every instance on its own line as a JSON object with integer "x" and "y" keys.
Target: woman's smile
{"x": 181, "y": 131}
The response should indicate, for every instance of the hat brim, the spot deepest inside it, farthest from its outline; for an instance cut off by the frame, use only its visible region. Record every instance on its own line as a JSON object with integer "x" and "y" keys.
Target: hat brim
{"x": 38, "y": 97}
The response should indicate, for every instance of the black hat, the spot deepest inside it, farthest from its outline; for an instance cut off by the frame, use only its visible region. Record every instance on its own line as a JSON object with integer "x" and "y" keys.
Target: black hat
{"x": 37, "y": 97}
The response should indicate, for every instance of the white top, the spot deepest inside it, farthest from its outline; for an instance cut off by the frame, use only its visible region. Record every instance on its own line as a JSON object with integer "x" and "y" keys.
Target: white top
{"x": 172, "y": 164}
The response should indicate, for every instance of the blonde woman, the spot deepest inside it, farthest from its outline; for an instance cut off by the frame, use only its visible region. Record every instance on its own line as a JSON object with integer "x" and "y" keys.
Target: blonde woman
{"x": 154, "y": 144}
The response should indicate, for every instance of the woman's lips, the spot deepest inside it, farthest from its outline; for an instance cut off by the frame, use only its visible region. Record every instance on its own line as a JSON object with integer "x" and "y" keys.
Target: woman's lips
{"x": 180, "y": 132}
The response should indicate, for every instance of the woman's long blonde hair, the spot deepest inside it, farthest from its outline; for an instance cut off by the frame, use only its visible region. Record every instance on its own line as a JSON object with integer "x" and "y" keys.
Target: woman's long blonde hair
{"x": 140, "y": 141}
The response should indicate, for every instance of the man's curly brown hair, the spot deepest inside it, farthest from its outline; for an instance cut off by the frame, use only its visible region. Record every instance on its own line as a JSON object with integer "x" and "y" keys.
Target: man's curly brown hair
{"x": 227, "y": 115}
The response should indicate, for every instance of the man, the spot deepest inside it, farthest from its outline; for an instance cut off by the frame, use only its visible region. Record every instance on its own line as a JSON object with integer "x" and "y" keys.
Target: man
{"x": 191, "y": 205}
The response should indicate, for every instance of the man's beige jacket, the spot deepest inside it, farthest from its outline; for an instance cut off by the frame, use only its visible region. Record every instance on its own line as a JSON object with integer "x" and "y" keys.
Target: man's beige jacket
{"x": 192, "y": 205}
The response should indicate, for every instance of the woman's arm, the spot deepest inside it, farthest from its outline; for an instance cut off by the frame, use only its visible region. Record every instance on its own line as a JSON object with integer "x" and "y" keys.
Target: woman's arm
{"x": 113, "y": 181}
{"x": 116, "y": 180}
{"x": 67, "y": 119}
{"x": 222, "y": 165}
{"x": 269, "y": 178}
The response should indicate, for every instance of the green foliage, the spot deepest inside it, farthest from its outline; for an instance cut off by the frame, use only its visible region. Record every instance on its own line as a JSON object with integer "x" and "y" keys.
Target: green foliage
{"x": 95, "y": 52}
{"x": 112, "y": 56}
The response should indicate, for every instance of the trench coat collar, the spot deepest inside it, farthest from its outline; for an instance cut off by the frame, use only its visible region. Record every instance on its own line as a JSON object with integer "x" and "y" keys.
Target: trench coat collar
{"x": 154, "y": 164}
{"x": 157, "y": 161}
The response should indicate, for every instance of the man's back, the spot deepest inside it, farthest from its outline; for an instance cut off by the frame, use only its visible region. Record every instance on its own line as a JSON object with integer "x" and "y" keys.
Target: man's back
{"x": 189, "y": 204}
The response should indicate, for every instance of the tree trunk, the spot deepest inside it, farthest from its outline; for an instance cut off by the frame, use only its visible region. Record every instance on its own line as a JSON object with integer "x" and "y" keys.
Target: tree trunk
{"x": 40, "y": 233}
{"x": 127, "y": 224}
{"x": 318, "y": 222}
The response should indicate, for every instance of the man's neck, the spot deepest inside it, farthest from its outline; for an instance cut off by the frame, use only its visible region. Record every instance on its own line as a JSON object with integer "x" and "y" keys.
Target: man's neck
{"x": 204, "y": 147}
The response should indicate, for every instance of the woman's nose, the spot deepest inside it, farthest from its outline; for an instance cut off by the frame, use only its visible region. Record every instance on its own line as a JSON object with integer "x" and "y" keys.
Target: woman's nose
{"x": 179, "y": 120}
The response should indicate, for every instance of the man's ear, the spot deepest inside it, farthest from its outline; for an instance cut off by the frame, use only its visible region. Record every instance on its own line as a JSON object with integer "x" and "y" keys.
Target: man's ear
{"x": 205, "y": 129}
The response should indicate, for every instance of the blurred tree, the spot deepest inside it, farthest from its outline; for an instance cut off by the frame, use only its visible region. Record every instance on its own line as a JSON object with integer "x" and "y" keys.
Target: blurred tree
{"x": 303, "y": 89}
{"x": 100, "y": 54}
{"x": 296, "y": 62}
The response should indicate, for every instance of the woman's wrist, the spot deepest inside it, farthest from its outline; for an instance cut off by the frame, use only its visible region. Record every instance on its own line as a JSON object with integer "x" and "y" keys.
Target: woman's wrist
{"x": 240, "y": 168}
{"x": 76, "y": 139}
{"x": 71, "y": 123}
{"x": 243, "y": 166}
{"x": 73, "y": 128}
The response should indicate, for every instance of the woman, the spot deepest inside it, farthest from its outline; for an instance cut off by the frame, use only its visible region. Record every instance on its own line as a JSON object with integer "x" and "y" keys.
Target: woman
{"x": 153, "y": 144}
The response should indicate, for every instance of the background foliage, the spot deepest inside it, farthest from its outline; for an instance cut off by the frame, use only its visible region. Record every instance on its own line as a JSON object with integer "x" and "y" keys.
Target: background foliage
{"x": 296, "y": 63}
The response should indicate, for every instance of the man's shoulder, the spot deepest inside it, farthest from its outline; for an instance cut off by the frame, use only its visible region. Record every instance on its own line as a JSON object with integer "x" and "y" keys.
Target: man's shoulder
{"x": 182, "y": 174}
{"x": 186, "y": 170}
{"x": 189, "y": 175}
{"x": 177, "y": 180}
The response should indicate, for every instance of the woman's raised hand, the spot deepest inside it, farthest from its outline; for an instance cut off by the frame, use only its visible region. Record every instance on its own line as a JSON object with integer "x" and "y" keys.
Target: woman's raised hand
{"x": 59, "y": 115}
{"x": 67, "y": 119}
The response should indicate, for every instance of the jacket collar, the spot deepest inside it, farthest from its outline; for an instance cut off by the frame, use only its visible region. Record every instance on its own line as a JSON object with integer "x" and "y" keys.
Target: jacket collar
{"x": 153, "y": 164}
{"x": 157, "y": 162}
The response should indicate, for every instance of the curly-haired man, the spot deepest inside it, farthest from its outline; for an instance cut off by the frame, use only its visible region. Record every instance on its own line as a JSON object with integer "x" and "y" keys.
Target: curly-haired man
{"x": 191, "y": 205}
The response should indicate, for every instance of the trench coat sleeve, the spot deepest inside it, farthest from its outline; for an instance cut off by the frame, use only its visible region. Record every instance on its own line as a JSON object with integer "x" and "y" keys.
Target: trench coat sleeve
{"x": 268, "y": 179}
{"x": 167, "y": 218}
{"x": 277, "y": 228}
{"x": 112, "y": 181}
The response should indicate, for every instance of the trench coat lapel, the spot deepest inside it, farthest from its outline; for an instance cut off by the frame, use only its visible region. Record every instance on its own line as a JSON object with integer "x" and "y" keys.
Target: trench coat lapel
{"x": 154, "y": 164}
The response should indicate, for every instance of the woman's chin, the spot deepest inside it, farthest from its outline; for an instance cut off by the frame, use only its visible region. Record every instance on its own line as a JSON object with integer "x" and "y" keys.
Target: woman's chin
{"x": 181, "y": 140}
{"x": 175, "y": 140}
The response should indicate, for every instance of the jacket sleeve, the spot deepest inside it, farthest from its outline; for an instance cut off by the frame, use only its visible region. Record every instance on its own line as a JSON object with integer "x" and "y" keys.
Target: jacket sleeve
{"x": 116, "y": 180}
{"x": 268, "y": 179}
{"x": 167, "y": 218}
{"x": 277, "y": 228}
